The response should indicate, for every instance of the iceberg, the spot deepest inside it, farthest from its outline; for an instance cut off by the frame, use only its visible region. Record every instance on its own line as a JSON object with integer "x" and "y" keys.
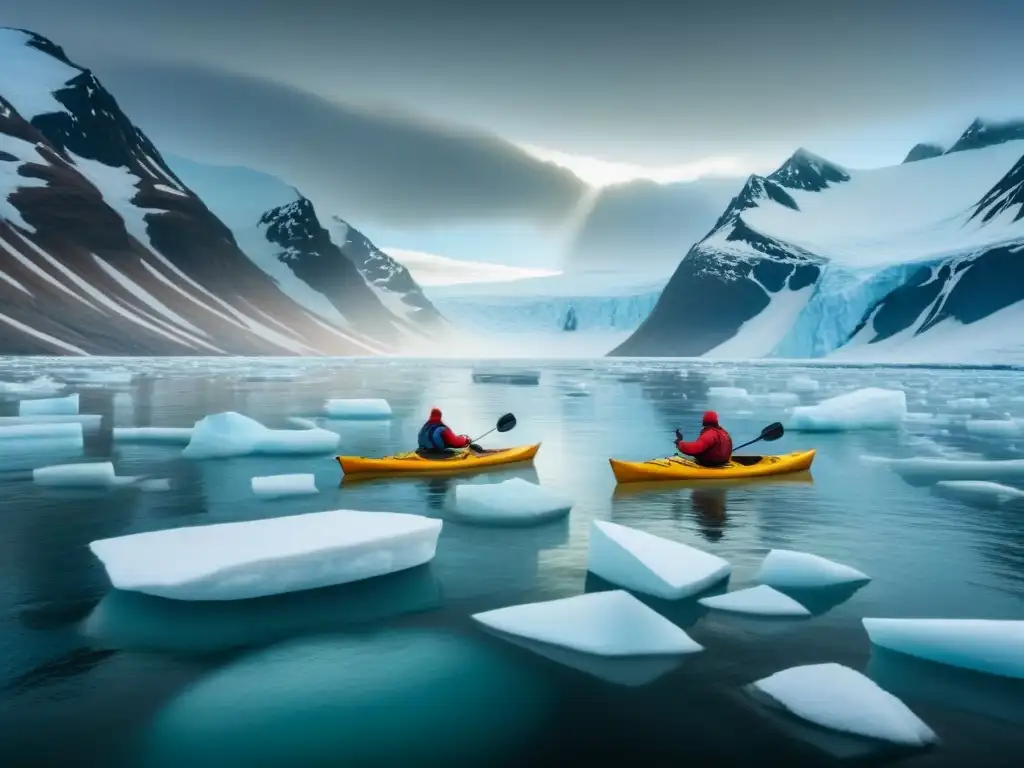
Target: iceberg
{"x": 785, "y": 568}
{"x": 759, "y": 601}
{"x": 602, "y": 623}
{"x": 514, "y": 501}
{"x": 279, "y": 486}
{"x": 93, "y": 475}
{"x": 55, "y": 431}
{"x": 983, "y": 645}
{"x": 231, "y": 434}
{"x": 869, "y": 408}
{"x": 236, "y": 561}
{"x": 171, "y": 435}
{"x": 51, "y": 406}
{"x": 979, "y": 492}
{"x": 645, "y": 563}
{"x": 838, "y": 698}
{"x": 365, "y": 408}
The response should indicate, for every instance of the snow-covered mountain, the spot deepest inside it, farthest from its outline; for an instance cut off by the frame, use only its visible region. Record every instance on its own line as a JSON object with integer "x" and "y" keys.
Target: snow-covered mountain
{"x": 104, "y": 249}
{"x": 646, "y": 225}
{"x": 609, "y": 301}
{"x": 920, "y": 262}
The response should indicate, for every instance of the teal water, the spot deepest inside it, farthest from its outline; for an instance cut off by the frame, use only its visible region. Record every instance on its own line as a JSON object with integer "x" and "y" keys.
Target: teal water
{"x": 392, "y": 672}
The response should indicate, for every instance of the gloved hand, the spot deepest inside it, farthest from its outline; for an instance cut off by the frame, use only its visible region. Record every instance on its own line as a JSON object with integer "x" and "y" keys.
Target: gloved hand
{"x": 475, "y": 447}
{"x": 679, "y": 436}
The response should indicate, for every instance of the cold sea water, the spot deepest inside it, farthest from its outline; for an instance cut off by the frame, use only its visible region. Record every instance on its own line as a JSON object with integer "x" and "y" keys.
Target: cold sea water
{"x": 392, "y": 671}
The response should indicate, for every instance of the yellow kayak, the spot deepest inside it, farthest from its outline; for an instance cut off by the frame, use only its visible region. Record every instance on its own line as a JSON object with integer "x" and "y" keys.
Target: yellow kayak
{"x": 413, "y": 463}
{"x": 740, "y": 468}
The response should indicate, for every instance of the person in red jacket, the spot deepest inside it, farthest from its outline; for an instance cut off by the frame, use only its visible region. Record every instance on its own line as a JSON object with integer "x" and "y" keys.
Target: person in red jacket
{"x": 437, "y": 437}
{"x": 712, "y": 448}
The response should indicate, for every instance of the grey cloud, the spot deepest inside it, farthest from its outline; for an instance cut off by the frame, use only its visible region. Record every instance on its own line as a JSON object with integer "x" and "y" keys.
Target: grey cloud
{"x": 375, "y": 166}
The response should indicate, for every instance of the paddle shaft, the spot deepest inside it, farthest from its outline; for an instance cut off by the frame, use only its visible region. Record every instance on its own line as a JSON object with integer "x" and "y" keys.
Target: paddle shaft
{"x": 485, "y": 434}
{"x": 755, "y": 440}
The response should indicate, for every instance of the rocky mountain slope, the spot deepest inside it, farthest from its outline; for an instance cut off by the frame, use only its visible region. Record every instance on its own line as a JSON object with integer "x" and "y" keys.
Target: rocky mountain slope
{"x": 815, "y": 260}
{"x": 104, "y": 249}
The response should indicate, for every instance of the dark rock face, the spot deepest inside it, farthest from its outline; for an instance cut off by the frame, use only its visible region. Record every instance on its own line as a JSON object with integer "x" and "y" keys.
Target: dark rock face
{"x": 806, "y": 171}
{"x": 923, "y": 151}
{"x": 1004, "y": 196}
{"x": 983, "y": 133}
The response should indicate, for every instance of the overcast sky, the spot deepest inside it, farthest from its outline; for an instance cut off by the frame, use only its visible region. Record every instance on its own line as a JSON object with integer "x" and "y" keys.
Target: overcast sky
{"x": 734, "y": 85}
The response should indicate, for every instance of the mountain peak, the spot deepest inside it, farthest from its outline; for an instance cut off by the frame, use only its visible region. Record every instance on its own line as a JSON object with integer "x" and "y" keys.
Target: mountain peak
{"x": 988, "y": 133}
{"x": 924, "y": 151}
{"x": 809, "y": 172}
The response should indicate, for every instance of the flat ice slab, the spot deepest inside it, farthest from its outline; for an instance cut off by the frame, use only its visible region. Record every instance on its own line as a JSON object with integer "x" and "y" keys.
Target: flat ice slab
{"x": 979, "y": 492}
{"x": 235, "y": 561}
{"x": 650, "y": 564}
{"x": 838, "y": 698}
{"x": 954, "y": 469}
{"x": 802, "y": 384}
{"x": 983, "y": 645}
{"x": 231, "y": 434}
{"x": 93, "y": 475}
{"x": 58, "y": 431}
{"x": 514, "y": 501}
{"x": 51, "y": 406}
{"x": 602, "y": 623}
{"x": 786, "y": 568}
{"x": 172, "y": 435}
{"x": 995, "y": 427}
{"x": 279, "y": 486}
{"x": 758, "y": 601}
{"x": 87, "y": 420}
{"x": 41, "y": 386}
{"x": 357, "y": 408}
{"x": 869, "y": 408}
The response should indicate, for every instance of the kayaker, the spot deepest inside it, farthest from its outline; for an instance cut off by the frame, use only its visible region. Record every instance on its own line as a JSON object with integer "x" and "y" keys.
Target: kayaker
{"x": 712, "y": 448}
{"x": 437, "y": 437}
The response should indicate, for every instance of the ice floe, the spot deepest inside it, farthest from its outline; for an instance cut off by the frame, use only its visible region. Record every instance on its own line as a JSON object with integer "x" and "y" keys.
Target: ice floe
{"x": 838, "y": 698}
{"x": 233, "y": 561}
{"x": 603, "y": 623}
{"x": 869, "y": 408}
{"x": 513, "y": 501}
{"x": 90, "y": 475}
{"x": 934, "y": 469}
{"x": 50, "y": 406}
{"x": 995, "y": 427}
{"x": 279, "y": 486}
{"x": 231, "y": 434}
{"x": 983, "y": 645}
{"x": 759, "y": 601}
{"x": 979, "y": 492}
{"x": 802, "y": 385}
{"x": 51, "y": 431}
{"x": 90, "y": 421}
{"x": 650, "y": 564}
{"x": 786, "y": 568}
{"x": 44, "y": 385}
{"x": 357, "y": 408}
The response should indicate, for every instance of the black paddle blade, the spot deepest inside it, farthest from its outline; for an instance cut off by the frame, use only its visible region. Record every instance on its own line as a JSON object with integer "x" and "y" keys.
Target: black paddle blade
{"x": 508, "y": 422}
{"x": 773, "y": 432}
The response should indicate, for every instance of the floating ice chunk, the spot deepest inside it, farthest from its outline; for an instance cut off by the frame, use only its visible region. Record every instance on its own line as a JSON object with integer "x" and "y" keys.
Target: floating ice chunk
{"x": 777, "y": 399}
{"x": 603, "y": 623}
{"x": 953, "y": 469}
{"x": 984, "y": 645}
{"x": 785, "y": 568}
{"x": 60, "y": 430}
{"x": 994, "y": 427}
{"x": 50, "y": 406}
{"x": 365, "y": 408}
{"x": 979, "y": 491}
{"x": 761, "y": 601}
{"x": 841, "y": 699}
{"x": 44, "y": 385}
{"x": 93, "y": 475}
{"x": 511, "y": 501}
{"x": 235, "y": 561}
{"x": 106, "y": 377}
{"x": 802, "y": 385}
{"x": 869, "y": 408}
{"x": 232, "y": 434}
{"x": 89, "y": 421}
{"x": 152, "y": 434}
{"x": 279, "y": 486}
{"x": 650, "y": 564}
{"x": 969, "y": 404}
{"x": 155, "y": 484}
{"x": 301, "y": 422}
{"x": 730, "y": 396}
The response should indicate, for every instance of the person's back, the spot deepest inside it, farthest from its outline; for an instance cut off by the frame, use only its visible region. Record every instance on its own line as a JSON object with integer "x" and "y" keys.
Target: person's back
{"x": 437, "y": 438}
{"x": 712, "y": 448}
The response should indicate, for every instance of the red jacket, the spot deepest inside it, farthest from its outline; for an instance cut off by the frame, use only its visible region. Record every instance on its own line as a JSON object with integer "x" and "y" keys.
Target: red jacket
{"x": 451, "y": 440}
{"x": 714, "y": 445}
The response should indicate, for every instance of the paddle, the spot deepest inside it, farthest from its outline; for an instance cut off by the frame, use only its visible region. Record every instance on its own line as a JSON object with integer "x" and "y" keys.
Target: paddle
{"x": 505, "y": 424}
{"x": 769, "y": 434}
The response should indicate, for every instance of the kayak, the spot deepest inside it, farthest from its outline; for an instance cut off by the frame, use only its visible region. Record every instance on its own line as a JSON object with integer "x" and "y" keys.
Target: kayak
{"x": 413, "y": 463}
{"x": 740, "y": 468}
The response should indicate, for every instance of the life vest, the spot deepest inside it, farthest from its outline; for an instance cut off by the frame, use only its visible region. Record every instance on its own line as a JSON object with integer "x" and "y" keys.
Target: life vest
{"x": 431, "y": 437}
{"x": 720, "y": 451}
